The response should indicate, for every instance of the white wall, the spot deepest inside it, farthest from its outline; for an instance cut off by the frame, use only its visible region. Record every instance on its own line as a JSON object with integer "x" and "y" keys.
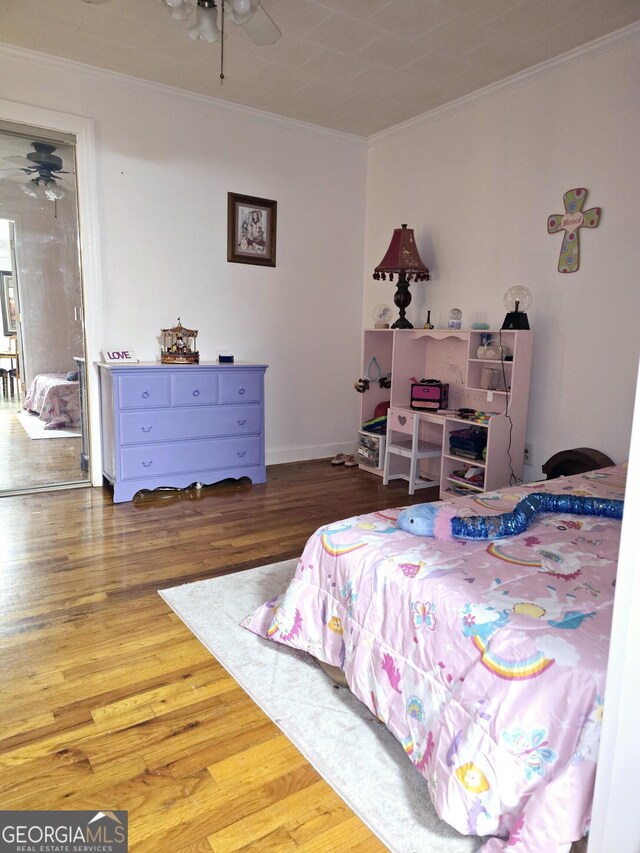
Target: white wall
{"x": 165, "y": 162}
{"x": 477, "y": 185}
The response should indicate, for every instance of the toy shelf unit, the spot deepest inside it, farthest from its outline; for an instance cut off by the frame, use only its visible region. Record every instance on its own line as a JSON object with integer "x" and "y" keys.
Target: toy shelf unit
{"x": 487, "y": 372}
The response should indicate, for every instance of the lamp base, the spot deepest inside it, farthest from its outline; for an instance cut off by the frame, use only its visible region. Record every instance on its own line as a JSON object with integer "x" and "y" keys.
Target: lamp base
{"x": 402, "y": 299}
{"x": 402, "y": 323}
{"x": 516, "y": 320}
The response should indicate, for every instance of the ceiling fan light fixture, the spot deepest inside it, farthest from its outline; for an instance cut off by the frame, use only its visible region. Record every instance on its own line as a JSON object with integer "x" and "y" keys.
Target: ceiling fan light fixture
{"x": 52, "y": 191}
{"x": 182, "y": 12}
{"x": 180, "y": 9}
{"x": 206, "y": 25}
{"x": 29, "y": 189}
{"x": 242, "y": 10}
{"x": 250, "y": 14}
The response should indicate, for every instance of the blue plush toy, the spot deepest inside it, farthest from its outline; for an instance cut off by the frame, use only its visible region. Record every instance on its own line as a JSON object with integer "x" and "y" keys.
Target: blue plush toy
{"x": 441, "y": 522}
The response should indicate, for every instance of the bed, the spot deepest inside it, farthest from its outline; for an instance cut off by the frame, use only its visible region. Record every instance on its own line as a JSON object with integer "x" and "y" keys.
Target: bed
{"x": 55, "y": 399}
{"x": 486, "y": 660}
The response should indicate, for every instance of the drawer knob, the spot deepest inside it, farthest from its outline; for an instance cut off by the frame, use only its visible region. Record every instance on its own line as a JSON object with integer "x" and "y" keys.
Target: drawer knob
{"x": 242, "y": 453}
{"x": 196, "y": 393}
{"x": 147, "y": 464}
{"x": 146, "y": 429}
{"x": 242, "y": 421}
{"x": 241, "y": 391}
{"x": 145, "y": 395}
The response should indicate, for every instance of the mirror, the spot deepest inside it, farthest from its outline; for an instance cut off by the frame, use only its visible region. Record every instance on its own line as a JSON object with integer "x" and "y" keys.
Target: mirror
{"x": 43, "y": 417}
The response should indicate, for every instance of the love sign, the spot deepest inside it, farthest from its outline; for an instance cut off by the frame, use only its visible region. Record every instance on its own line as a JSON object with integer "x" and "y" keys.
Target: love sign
{"x": 119, "y": 356}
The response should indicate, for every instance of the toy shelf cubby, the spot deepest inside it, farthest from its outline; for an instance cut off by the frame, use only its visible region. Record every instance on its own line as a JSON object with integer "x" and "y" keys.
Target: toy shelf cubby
{"x": 418, "y": 445}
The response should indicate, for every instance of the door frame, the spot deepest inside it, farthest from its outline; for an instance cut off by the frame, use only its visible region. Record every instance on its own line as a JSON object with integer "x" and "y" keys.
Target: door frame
{"x": 87, "y": 187}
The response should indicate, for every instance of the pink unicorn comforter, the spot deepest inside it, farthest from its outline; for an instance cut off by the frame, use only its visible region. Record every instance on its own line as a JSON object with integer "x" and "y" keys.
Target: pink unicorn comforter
{"x": 55, "y": 399}
{"x": 487, "y": 661}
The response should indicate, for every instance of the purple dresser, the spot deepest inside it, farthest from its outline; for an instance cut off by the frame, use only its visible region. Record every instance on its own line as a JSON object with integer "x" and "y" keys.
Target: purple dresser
{"x": 174, "y": 425}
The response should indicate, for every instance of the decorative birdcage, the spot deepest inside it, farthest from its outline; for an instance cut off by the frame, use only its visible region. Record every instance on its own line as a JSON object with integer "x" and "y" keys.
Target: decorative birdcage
{"x": 179, "y": 345}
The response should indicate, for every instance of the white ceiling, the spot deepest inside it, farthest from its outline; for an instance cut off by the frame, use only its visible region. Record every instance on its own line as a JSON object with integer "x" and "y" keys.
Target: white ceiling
{"x": 359, "y": 66}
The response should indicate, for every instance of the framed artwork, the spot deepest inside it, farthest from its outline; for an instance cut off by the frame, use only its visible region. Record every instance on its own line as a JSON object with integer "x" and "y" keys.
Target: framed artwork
{"x": 251, "y": 235}
{"x": 9, "y": 304}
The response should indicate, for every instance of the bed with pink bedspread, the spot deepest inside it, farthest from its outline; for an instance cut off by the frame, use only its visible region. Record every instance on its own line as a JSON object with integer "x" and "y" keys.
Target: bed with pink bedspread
{"x": 55, "y": 400}
{"x": 486, "y": 660}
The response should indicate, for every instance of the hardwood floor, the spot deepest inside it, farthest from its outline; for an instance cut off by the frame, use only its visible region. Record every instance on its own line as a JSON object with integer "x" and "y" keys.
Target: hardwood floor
{"x": 109, "y": 702}
{"x": 32, "y": 463}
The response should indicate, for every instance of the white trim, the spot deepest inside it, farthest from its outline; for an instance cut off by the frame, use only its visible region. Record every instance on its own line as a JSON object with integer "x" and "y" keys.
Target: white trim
{"x": 521, "y": 78}
{"x": 301, "y": 454}
{"x": 137, "y": 84}
{"x": 83, "y": 130}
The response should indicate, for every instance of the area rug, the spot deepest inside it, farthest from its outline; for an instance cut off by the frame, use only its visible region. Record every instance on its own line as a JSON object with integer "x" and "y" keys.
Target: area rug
{"x": 35, "y": 428}
{"x": 335, "y": 732}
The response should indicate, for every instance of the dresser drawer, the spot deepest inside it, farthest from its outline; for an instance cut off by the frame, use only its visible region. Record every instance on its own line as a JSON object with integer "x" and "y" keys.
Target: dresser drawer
{"x": 137, "y": 391}
{"x": 194, "y": 388}
{"x": 155, "y": 460}
{"x": 239, "y": 386}
{"x": 183, "y": 423}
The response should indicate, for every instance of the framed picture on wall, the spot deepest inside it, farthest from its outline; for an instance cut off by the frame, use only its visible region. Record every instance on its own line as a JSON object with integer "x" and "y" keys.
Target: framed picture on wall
{"x": 251, "y": 230}
{"x": 9, "y": 304}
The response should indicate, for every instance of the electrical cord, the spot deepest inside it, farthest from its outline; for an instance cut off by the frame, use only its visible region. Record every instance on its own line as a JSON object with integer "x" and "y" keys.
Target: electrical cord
{"x": 513, "y": 480}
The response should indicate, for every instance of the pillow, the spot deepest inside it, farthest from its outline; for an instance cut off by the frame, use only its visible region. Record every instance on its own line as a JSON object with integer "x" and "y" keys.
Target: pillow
{"x": 72, "y": 376}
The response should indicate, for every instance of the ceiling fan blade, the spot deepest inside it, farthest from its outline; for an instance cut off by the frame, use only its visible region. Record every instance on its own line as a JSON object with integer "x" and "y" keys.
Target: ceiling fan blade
{"x": 20, "y": 161}
{"x": 15, "y": 175}
{"x": 260, "y": 28}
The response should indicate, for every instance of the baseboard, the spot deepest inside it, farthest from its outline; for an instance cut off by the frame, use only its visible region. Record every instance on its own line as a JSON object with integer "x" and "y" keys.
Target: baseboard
{"x": 304, "y": 454}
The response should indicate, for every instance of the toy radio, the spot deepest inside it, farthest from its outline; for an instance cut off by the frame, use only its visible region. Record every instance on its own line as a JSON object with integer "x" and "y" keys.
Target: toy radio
{"x": 430, "y": 395}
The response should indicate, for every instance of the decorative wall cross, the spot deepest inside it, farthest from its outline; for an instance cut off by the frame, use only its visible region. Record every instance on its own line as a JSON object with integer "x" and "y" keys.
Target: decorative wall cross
{"x": 569, "y": 222}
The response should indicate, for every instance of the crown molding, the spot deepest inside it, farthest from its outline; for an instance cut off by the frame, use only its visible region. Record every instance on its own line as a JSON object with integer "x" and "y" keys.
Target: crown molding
{"x": 521, "y": 78}
{"x": 129, "y": 82}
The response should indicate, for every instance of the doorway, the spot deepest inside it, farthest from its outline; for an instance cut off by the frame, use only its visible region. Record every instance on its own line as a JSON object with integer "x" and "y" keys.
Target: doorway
{"x": 43, "y": 407}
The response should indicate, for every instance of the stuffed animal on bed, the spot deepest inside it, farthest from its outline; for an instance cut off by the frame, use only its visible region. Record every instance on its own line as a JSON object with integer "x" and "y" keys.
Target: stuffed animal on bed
{"x": 441, "y": 521}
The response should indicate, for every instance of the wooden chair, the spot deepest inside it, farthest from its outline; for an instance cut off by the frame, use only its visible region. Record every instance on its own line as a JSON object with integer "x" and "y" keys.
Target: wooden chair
{"x": 13, "y": 373}
{"x": 4, "y": 375}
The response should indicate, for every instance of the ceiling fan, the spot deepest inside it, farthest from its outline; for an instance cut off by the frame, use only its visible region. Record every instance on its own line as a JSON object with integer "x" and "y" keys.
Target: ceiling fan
{"x": 249, "y": 14}
{"x": 43, "y": 170}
